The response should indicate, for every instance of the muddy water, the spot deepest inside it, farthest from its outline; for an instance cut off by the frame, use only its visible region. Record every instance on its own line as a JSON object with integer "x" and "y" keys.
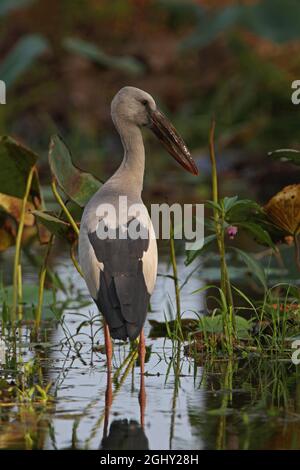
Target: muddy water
{"x": 247, "y": 404}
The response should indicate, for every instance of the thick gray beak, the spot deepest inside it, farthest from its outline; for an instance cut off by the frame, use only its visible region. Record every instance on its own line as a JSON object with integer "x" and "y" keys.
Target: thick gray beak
{"x": 172, "y": 141}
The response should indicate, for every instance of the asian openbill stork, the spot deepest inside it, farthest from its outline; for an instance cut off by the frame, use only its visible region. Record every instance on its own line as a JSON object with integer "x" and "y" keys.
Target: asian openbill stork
{"x": 120, "y": 273}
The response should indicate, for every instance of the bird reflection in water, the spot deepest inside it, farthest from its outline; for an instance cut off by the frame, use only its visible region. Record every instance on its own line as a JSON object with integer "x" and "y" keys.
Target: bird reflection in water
{"x": 124, "y": 433}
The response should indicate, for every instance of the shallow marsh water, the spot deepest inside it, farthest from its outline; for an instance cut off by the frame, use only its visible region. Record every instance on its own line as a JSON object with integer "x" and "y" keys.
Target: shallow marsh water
{"x": 251, "y": 403}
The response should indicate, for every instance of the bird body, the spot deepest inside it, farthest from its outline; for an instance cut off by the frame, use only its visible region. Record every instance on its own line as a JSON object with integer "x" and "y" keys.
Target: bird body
{"x": 120, "y": 271}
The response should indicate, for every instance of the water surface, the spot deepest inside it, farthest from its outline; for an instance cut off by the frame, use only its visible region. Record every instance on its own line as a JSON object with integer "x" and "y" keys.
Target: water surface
{"x": 250, "y": 403}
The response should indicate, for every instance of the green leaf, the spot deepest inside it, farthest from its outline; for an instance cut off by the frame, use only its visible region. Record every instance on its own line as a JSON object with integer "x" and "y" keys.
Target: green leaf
{"x": 266, "y": 18}
{"x": 29, "y": 295}
{"x": 193, "y": 254}
{"x": 211, "y": 26}
{"x": 58, "y": 227}
{"x": 253, "y": 265}
{"x": 260, "y": 234}
{"x": 214, "y": 324}
{"x": 93, "y": 52}
{"x": 79, "y": 185}
{"x": 241, "y": 210}
{"x": 21, "y": 57}
{"x": 286, "y": 155}
{"x": 271, "y": 20}
{"x": 16, "y": 162}
{"x": 229, "y": 202}
{"x": 214, "y": 205}
{"x": 223, "y": 411}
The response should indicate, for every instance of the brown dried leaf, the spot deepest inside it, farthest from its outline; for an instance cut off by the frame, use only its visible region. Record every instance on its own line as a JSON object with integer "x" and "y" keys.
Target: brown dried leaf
{"x": 284, "y": 209}
{"x": 13, "y": 205}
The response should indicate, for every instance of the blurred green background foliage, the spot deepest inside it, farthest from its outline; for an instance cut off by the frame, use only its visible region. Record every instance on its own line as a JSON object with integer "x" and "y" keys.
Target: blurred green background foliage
{"x": 64, "y": 60}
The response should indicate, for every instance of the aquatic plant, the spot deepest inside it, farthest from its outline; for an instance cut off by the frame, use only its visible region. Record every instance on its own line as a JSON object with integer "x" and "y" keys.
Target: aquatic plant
{"x": 22, "y": 206}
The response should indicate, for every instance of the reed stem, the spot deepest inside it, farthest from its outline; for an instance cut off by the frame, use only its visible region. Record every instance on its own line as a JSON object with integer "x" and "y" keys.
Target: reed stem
{"x": 64, "y": 208}
{"x": 228, "y": 317}
{"x": 16, "y": 274}
{"x": 73, "y": 258}
{"x": 175, "y": 272}
{"x": 42, "y": 278}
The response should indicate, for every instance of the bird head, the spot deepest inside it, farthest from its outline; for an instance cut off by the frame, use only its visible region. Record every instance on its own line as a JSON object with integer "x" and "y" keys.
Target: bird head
{"x": 134, "y": 106}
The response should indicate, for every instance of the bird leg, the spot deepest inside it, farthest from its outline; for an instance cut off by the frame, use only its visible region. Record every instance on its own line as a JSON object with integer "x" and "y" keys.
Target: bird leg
{"x": 142, "y": 394}
{"x": 108, "y": 346}
{"x": 108, "y": 402}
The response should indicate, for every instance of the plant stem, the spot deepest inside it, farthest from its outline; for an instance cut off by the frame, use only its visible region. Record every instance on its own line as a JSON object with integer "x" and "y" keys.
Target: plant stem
{"x": 228, "y": 320}
{"x": 73, "y": 258}
{"x": 215, "y": 198}
{"x": 64, "y": 208}
{"x": 297, "y": 251}
{"x": 42, "y": 278}
{"x": 19, "y": 242}
{"x": 175, "y": 272}
{"x": 20, "y": 292}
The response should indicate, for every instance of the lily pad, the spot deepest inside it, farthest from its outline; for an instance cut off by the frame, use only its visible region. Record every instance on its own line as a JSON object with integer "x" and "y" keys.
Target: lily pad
{"x": 215, "y": 325}
{"x": 29, "y": 295}
{"x": 79, "y": 185}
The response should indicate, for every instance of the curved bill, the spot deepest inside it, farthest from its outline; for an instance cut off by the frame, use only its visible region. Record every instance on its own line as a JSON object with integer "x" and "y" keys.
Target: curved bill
{"x": 172, "y": 141}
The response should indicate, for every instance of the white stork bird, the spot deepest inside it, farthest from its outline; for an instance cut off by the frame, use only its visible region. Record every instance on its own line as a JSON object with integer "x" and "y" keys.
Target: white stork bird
{"x": 120, "y": 273}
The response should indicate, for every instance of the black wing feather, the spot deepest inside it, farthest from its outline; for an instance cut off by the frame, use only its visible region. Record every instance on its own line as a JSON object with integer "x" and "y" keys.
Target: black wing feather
{"x": 122, "y": 297}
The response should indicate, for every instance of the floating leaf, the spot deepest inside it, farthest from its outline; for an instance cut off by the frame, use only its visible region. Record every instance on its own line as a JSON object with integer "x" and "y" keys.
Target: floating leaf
{"x": 93, "y": 52}
{"x": 79, "y": 185}
{"x": 214, "y": 324}
{"x": 21, "y": 57}
{"x": 29, "y": 295}
{"x": 283, "y": 209}
{"x": 30, "y": 292}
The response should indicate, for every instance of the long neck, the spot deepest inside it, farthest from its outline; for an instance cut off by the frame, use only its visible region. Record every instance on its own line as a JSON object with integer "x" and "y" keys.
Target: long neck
{"x": 131, "y": 171}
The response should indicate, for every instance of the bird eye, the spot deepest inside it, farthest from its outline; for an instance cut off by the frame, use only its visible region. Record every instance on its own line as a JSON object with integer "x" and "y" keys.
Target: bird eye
{"x": 144, "y": 102}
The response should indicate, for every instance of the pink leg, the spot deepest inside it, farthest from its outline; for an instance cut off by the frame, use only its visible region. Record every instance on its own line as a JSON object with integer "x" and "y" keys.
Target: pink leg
{"x": 142, "y": 394}
{"x": 108, "y": 402}
{"x": 108, "y": 346}
{"x": 108, "y": 393}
